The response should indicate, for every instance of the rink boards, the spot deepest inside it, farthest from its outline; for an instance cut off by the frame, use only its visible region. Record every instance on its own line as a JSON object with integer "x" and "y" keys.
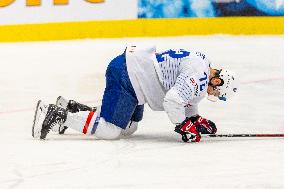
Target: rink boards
{"x": 142, "y": 28}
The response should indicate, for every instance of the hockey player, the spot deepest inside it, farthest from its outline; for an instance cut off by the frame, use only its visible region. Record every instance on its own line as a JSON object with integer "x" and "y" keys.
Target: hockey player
{"x": 174, "y": 81}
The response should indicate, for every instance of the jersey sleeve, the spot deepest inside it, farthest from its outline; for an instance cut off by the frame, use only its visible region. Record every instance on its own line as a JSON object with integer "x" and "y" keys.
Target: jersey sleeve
{"x": 180, "y": 95}
{"x": 184, "y": 87}
{"x": 191, "y": 110}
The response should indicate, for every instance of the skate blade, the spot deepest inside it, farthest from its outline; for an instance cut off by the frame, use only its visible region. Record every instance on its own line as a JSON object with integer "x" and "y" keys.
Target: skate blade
{"x": 61, "y": 102}
{"x": 38, "y": 120}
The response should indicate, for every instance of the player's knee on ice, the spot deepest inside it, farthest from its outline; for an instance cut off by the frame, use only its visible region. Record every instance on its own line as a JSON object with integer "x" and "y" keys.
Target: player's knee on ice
{"x": 107, "y": 131}
{"x": 130, "y": 129}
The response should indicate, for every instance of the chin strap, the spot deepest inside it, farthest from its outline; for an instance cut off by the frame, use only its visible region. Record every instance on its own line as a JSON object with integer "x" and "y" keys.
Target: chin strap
{"x": 212, "y": 98}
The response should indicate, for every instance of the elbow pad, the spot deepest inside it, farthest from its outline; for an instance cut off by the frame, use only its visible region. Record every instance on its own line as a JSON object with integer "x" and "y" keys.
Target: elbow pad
{"x": 174, "y": 107}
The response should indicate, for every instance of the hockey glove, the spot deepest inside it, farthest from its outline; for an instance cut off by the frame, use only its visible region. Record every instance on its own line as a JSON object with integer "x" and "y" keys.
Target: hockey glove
{"x": 205, "y": 126}
{"x": 192, "y": 128}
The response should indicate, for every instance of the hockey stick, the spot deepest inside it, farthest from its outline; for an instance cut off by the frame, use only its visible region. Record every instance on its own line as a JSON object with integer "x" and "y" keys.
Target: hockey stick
{"x": 243, "y": 135}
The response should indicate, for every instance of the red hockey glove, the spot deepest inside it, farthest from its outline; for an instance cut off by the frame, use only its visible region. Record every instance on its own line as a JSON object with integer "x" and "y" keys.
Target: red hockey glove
{"x": 188, "y": 131}
{"x": 205, "y": 126}
{"x": 192, "y": 127}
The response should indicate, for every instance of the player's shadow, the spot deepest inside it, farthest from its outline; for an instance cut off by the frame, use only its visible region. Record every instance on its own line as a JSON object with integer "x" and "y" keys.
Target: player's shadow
{"x": 152, "y": 137}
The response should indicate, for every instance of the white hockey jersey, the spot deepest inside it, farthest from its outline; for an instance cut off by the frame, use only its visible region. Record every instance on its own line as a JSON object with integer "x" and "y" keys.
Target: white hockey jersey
{"x": 173, "y": 80}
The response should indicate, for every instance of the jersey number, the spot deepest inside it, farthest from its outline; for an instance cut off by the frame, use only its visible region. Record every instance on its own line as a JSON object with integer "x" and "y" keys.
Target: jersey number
{"x": 203, "y": 82}
{"x": 172, "y": 54}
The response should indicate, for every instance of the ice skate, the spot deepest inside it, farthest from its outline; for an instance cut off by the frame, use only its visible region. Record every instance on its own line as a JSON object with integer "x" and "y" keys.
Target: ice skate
{"x": 46, "y": 117}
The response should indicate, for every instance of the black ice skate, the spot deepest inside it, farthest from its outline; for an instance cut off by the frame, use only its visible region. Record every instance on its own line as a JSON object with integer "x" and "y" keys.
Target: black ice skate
{"x": 46, "y": 117}
{"x": 71, "y": 106}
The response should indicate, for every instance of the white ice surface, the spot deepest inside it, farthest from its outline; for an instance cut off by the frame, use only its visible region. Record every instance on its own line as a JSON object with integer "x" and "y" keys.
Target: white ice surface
{"x": 152, "y": 157}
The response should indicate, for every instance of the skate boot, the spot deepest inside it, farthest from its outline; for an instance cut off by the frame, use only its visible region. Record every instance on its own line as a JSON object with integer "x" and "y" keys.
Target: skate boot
{"x": 73, "y": 107}
{"x": 46, "y": 117}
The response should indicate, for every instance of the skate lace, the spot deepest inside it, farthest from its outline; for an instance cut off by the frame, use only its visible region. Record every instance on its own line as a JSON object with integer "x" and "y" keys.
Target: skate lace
{"x": 58, "y": 119}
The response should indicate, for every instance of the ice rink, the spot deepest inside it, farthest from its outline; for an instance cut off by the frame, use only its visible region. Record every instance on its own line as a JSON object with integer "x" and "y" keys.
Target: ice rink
{"x": 152, "y": 157}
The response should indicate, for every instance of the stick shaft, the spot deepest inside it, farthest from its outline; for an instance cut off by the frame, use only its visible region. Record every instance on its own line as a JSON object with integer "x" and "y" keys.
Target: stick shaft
{"x": 245, "y": 135}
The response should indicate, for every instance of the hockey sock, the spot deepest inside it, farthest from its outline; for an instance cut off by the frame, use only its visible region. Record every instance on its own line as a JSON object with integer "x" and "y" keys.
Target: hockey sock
{"x": 83, "y": 121}
{"x": 91, "y": 123}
